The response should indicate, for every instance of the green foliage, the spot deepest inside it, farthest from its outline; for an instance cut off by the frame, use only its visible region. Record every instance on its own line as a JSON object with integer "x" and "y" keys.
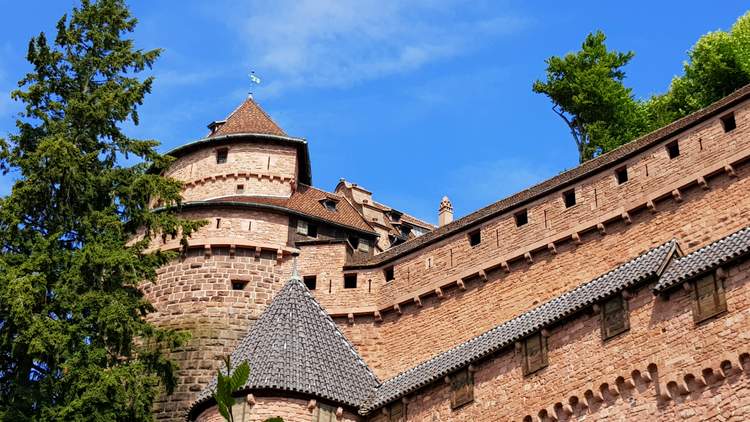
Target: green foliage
{"x": 228, "y": 384}
{"x": 587, "y": 90}
{"x": 719, "y": 63}
{"x": 588, "y": 94}
{"x": 75, "y": 230}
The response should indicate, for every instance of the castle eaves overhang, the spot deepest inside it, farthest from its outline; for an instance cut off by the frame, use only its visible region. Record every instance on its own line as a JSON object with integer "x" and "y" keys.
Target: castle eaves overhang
{"x": 645, "y": 268}
{"x": 303, "y": 154}
{"x": 559, "y": 182}
{"x": 279, "y": 207}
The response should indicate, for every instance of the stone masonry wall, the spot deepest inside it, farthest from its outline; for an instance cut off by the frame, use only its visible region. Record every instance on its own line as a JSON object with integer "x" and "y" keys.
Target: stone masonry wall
{"x": 665, "y": 367}
{"x": 420, "y": 332}
{"x": 263, "y": 169}
{"x": 291, "y": 410}
{"x": 195, "y": 294}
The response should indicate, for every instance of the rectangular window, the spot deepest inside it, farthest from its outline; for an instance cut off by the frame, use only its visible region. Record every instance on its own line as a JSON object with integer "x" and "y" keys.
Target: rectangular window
{"x": 709, "y": 298}
{"x": 239, "y": 284}
{"x": 614, "y": 317}
{"x": 397, "y": 412}
{"x": 307, "y": 229}
{"x": 728, "y": 122}
{"x": 325, "y": 413}
{"x": 475, "y": 238}
{"x": 350, "y": 281}
{"x": 221, "y": 155}
{"x": 311, "y": 281}
{"x": 389, "y": 274}
{"x": 521, "y": 217}
{"x": 364, "y": 245}
{"x": 673, "y": 149}
{"x": 569, "y": 197}
{"x": 622, "y": 175}
{"x": 462, "y": 388}
{"x": 240, "y": 189}
{"x": 534, "y": 353}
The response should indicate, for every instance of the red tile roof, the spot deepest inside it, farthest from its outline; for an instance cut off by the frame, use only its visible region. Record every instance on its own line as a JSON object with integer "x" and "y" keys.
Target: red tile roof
{"x": 306, "y": 200}
{"x": 248, "y": 118}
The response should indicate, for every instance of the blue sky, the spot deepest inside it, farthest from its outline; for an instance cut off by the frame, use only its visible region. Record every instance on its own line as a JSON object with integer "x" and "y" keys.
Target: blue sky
{"x": 411, "y": 99}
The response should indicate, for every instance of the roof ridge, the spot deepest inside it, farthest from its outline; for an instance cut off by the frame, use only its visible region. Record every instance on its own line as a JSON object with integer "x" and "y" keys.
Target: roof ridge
{"x": 338, "y": 331}
{"x": 534, "y": 319}
{"x": 544, "y": 187}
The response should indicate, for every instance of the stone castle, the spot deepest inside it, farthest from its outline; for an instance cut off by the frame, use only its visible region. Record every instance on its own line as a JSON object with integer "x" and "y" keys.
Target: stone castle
{"x": 617, "y": 290}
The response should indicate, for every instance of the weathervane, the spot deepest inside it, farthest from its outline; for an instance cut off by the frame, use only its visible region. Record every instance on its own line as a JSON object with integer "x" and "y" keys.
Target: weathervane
{"x": 254, "y": 79}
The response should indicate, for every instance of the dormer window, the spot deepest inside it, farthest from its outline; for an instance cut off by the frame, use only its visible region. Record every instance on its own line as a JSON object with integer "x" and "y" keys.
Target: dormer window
{"x": 394, "y": 216}
{"x": 329, "y": 204}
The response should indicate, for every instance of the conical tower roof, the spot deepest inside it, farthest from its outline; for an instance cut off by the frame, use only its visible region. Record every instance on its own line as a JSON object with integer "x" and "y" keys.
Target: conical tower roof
{"x": 247, "y": 118}
{"x": 296, "y": 347}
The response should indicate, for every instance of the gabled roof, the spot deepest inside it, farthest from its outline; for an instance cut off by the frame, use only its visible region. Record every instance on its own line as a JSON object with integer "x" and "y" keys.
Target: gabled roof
{"x": 306, "y": 201}
{"x": 707, "y": 258}
{"x": 247, "y": 118}
{"x": 589, "y": 168}
{"x": 295, "y": 347}
{"x": 637, "y": 271}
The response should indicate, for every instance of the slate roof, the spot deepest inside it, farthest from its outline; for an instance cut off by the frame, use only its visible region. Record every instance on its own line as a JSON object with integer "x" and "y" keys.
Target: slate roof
{"x": 248, "y": 118}
{"x": 296, "y": 347}
{"x": 306, "y": 201}
{"x": 705, "y": 259}
{"x": 561, "y": 181}
{"x": 637, "y": 271}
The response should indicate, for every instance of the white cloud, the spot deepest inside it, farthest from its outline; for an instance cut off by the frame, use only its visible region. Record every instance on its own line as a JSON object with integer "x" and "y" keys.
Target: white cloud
{"x": 331, "y": 43}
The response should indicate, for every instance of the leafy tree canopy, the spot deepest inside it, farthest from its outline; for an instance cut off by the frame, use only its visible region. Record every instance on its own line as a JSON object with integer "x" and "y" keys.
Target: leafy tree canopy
{"x": 587, "y": 90}
{"x": 74, "y": 342}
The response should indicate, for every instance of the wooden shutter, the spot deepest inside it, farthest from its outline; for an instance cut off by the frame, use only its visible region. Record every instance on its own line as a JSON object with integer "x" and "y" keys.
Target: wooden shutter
{"x": 535, "y": 353}
{"x": 614, "y": 317}
{"x": 397, "y": 413}
{"x": 709, "y": 297}
{"x": 462, "y": 388}
{"x": 325, "y": 413}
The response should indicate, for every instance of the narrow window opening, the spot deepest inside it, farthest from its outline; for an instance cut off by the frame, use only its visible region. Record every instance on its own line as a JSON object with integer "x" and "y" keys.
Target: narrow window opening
{"x": 310, "y": 281}
{"x": 475, "y": 238}
{"x": 462, "y": 388}
{"x": 700, "y": 143}
{"x": 250, "y": 225}
{"x": 268, "y": 163}
{"x": 614, "y": 317}
{"x": 239, "y": 284}
{"x": 218, "y": 223}
{"x": 350, "y": 281}
{"x": 522, "y": 218}
{"x": 709, "y": 298}
{"x": 389, "y": 274}
{"x": 221, "y": 155}
{"x": 728, "y": 122}
{"x": 622, "y": 175}
{"x": 569, "y": 197}
{"x": 534, "y": 353}
{"x": 240, "y": 189}
{"x": 673, "y": 149}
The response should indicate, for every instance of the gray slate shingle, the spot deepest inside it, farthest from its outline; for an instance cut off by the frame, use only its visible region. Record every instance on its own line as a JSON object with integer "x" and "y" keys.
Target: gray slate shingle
{"x": 296, "y": 347}
{"x": 705, "y": 259}
{"x": 645, "y": 267}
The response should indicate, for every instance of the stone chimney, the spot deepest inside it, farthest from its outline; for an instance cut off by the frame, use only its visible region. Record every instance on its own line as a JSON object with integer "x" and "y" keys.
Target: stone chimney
{"x": 445, "y": 214}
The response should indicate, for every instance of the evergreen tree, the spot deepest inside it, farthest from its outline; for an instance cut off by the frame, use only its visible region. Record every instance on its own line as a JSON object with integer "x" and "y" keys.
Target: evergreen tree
{"x": 75, "y": 230}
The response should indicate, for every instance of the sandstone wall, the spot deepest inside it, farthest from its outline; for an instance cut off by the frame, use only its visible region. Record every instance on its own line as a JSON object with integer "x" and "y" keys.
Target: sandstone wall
{"x": 665, "y": 367}
{"x": 263, "y": 169}
{"x": 291, "y": 410}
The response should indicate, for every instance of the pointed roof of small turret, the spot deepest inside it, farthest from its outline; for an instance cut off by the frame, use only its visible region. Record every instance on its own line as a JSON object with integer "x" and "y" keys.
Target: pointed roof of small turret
{"x": 247, "y": 118}
{"x": 296, "y": 347}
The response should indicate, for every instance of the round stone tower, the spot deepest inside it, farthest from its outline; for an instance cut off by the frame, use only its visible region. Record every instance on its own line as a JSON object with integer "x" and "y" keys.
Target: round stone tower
{"x": 238, "y": 178}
